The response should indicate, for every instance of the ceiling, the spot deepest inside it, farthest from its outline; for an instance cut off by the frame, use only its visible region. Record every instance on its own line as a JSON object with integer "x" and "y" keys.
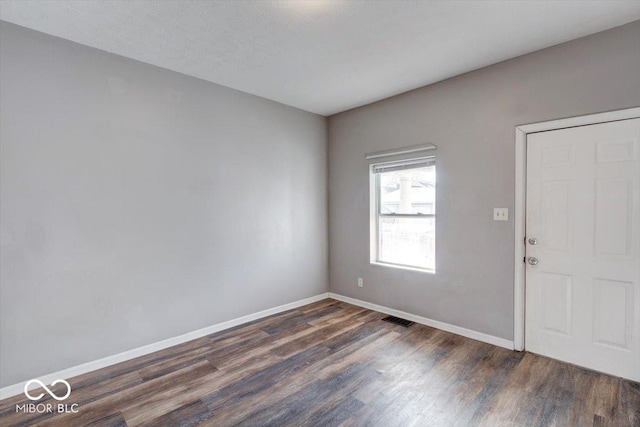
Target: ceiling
{"x": 323, "y": 56}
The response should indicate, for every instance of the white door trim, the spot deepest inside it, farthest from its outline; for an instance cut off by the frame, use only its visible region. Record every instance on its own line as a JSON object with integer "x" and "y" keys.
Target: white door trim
{"x": 520, "y": 200}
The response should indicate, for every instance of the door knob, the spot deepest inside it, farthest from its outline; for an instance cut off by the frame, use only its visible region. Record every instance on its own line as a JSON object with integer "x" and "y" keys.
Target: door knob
{"x": 532, "y": 260}
{"x": 533, "y": 241}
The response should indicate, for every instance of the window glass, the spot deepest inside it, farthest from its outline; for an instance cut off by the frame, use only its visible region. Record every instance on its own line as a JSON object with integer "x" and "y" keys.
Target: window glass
{"x": 405, "y": 218}
{"x": 408, "y": 191}
{"x": 408, "y": 241}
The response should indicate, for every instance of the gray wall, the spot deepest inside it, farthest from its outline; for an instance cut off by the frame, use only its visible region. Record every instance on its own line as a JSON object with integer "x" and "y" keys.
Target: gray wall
{"x": 138, "y": 204}
{"x": 472, "y": 119}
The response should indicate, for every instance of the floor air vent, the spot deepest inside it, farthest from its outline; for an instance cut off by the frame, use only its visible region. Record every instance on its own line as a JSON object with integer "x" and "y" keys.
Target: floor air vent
{"x": 398, "y": 321}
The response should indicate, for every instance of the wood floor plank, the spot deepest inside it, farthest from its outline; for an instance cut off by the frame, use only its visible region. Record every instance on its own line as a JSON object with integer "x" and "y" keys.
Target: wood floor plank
{"x": 333, "y": 415}
{"x": 421, "y": 382}
{"x": 80, "y": 396}
{"x": 333, "y": 364}
{"x": 316, "y": 395}
{"x": 465, "y": 387}
{"x": 109, "y": 404}
{"x": 243, "y": 351}
{"x": 188, "y": 415}
{"x": 173, "y": 364}
{"x": 301, "y": 318}
{"x": 582, "y": 412}
{"x": 263, "y": 380}
{"x": 418, "y": 347}
{"x": 235, "y": 410}
{"x": 606, "y": 400}
{"x": 346, "y": 314}
{"x": 629, "y": 412}
{"x": 360, "y": 353}
{"x": 317, "y": 305}
{"x": 100, "y": 375}
{"x": 253, "y": 325}
{"x": 113, "y": 420}
{"x": 525, "y": 382}
{"x": 181, "y": 393}
{"x": 559, "y": 398}
{"x": 280, "y": 387}
{"x": 308, "y": 341}
{"x": 225, "y": 338}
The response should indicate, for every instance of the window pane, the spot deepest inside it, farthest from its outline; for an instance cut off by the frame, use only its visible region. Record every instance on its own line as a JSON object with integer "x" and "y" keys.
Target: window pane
{"x": 409, "y": 191}
{"x": 408, "y": 241}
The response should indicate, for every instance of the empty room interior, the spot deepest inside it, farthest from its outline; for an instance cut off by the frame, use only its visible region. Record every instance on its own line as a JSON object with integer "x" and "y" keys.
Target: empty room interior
{"x": 320, "y": 213}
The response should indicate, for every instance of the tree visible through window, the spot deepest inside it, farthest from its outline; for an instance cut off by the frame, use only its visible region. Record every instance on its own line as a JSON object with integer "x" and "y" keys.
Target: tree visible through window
{"x": 405, "y": 213}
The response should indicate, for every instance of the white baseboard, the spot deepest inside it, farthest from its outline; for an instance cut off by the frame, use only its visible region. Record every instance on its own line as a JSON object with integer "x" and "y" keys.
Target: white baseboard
{"x": 479, "y": 336}
{"x": 74, "y": 371}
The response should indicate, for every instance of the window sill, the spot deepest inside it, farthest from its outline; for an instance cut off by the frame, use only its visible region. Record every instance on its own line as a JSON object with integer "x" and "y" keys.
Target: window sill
{"x": 403, "y": 267}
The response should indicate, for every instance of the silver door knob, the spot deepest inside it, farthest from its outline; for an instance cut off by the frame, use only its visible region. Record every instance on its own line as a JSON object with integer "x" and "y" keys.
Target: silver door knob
{"x": 533, "y": 241}
{"x": 532, "y": 260}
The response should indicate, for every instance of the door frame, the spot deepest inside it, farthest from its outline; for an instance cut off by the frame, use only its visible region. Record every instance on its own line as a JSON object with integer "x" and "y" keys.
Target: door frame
{"x": 519, "y": 214}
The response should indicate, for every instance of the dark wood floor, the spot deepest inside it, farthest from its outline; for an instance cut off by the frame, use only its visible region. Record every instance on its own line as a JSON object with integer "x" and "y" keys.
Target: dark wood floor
{"x": 330, "y": 364}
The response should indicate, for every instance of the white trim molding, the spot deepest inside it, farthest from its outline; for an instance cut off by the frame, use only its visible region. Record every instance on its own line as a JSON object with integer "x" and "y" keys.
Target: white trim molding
{"x": 74, "y": 371}
{"x": 458, "y": 330}
{"x": 521, "y": 133}
{"x": 399, "y": 151}
{"x": 65, "y": 374}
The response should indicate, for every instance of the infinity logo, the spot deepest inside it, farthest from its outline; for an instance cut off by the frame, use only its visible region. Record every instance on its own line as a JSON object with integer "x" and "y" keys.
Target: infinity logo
{"x": 52, "y": 394}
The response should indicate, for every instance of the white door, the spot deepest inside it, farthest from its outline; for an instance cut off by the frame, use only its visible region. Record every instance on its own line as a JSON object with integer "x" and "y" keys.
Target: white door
{"x": 583, "y": 228}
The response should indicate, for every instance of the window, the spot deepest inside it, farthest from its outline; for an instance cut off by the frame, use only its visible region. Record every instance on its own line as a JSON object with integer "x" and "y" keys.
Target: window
{"x": 403, "y": 208}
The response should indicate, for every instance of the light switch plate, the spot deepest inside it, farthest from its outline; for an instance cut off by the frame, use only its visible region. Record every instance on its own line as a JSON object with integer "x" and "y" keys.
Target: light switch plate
{"x": 501, "y": 214}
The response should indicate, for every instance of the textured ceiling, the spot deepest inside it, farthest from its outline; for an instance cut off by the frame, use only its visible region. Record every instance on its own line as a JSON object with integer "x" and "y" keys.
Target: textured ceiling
{"x": 323, "y": 56}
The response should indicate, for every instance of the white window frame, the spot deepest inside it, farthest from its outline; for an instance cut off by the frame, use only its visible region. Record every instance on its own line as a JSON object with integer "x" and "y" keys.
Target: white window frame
{"x": 374, "y": 214}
